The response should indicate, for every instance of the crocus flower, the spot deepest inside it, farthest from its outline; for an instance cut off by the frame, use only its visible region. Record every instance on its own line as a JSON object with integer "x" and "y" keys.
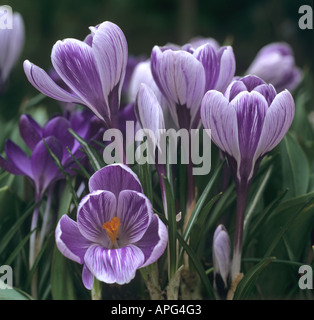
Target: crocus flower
{"x": 183, "y": 77}
{"x": 275, "y": 64}
{"x": 93, "y": 70}
{"x": 11, "y": 44}
{"x": 221, "y": 253}
{"x": 246, "y": 122}
{"x": 116, "y": 231}
{"x": 83, "y": 122}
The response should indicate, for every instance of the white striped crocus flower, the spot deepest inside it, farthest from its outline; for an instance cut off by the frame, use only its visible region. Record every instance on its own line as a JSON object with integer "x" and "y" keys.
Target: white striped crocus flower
{"x": 93, "y": 71}
{"x": 246, "y": 122}
{"x": 116, "y": 231}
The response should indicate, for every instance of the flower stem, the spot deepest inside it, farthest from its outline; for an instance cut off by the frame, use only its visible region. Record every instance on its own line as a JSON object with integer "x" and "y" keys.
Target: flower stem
{"x": 242, "y": 192}
{"x": 96, "y": 290}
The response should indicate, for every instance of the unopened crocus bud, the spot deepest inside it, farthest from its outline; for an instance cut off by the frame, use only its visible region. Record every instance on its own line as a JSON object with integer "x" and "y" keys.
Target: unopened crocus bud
{"x": 275, "y": 64}
{"x": 221, "y": 253}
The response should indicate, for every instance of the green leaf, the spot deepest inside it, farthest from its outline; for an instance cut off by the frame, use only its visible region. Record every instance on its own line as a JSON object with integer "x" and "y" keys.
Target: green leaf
{"x": 62, "y": 286}
{"x": 295, "y": 167}
{"x": 172, "y": 229}
{"x": 246, "y": 285}
{"x": 90, "y": 152}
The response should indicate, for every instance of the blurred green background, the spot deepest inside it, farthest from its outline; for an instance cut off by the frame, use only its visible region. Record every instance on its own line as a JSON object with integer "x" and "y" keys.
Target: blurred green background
{"x": 246, "y": 24}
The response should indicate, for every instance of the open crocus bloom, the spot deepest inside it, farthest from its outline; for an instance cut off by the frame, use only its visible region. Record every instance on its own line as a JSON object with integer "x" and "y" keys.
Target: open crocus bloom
{"x": 116, "y": 231}
{"x": 247, "y": 122}
{"x": 93, "y": 71}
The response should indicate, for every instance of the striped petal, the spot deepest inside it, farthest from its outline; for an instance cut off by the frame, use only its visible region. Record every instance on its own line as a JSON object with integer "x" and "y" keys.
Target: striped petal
{"x": 115, "y": 178}
{"x": 75, "y": 63}
{"x": 135, "y": 213}
{"x": 94, "y": 210}
{"x": 71, "y": 243}
{"x": 114, "y": 265}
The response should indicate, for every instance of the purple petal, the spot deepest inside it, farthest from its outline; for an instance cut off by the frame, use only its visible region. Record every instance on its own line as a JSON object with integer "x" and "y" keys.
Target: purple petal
{"x": 268, "y": 91}
{"x": 252, "y": 81}
{"x": 71, "y": 243}
{"x": 234, "y": 89}
{"x": 59, "y": 128}
{"x": 30, "y": 131}
{"x": 221, "y": 118}
{"x": 180, "y": 77}
{"x": 114, "y": 265}
{"x": 94, "y": 210}
{"x": 206, "y": 54}
{"x": 111, "y": 55}
{"x": 75, "y": 63}
{"x": 44, "y": 169}
{"x": 251, "y": 108}
{"x": 154, "y": 241}
{"x": 18, "y": 159}
{"x": 115, "y": 178}
{"x": 88, "y": 278}
{"x": 43, "y": 83}
{"x": 277, "y": 122}
{"x": 135, "y": 213}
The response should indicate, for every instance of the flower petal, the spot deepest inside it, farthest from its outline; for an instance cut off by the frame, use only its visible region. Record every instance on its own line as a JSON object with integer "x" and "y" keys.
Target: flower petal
{"x": 44, "y": 169}
{"x": 115, "y": 178}
{"x": 135, "y": 212}
{"x": 30, "y": 131}
{"x": 94, "y": 210}
{"x": 111, "y": 56}
{"x": 18, "y": 159}
{"x": 218, "y": 116}
{"x": 277, "y": 122}
{"x": 114, "y": 265}
{"x": 43, "y": 83}
{"x": 71, "y": 243}
{"x": 251, "y": 108}
{"x": 88, "y": 278}
{"x": 227, "y": 68}
{"x": 154, "y": 241}
{"x": 75, "y": 63}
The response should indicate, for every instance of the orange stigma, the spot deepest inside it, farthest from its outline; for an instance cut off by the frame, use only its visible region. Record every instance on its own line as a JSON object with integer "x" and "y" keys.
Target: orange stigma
{"x": 112, "y": 228}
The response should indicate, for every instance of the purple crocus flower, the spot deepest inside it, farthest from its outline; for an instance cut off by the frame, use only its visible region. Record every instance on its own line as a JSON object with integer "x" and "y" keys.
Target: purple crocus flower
{"x": 275, "y": 64}
{"x": 11, "y": 44}
{"x": 116, "y": 231}
{"x": 246, "y": 122}
{"x": 93, "y": 70}
{"x": 183, "y": 77}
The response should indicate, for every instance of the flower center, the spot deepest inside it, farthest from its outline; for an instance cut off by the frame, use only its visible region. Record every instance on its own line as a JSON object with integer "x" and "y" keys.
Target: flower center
{"x": 112, "y": 228}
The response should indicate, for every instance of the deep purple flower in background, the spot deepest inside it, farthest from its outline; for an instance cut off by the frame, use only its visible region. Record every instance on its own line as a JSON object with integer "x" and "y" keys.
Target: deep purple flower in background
{"x": 246, "y": 122}
{"x": 116, "y": 232}
{"x": 11, "y": 44}
{"x": 40, "y": 168}
{"x": 275, "y": 64}
{"x": 94, "y": 70}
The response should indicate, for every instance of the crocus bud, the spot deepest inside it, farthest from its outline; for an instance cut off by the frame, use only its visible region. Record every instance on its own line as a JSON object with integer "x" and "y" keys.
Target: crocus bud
{"x": 275, "y": 64}
{"x": 221, "y": 253}
{"x": 11, "y": 44}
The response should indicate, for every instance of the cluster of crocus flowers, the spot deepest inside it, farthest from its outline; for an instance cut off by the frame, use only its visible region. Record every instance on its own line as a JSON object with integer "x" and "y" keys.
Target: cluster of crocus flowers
{"x": 246, "y": 122}
{"x": 11, "y": 44}
{"x": 116, "y": 231}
